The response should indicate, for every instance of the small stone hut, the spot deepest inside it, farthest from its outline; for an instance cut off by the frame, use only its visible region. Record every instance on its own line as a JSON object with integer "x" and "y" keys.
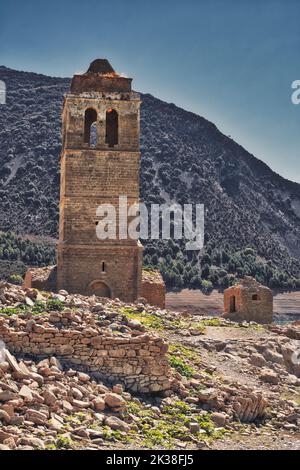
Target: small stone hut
{"x": 248, "y": 301}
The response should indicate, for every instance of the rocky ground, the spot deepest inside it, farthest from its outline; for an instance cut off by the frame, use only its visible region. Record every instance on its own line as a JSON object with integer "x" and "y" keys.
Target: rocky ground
{"x": 234, "y": 386}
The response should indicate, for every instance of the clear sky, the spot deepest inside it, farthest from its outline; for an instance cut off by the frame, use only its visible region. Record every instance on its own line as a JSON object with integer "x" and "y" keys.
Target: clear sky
{"x": 231, "y": 61}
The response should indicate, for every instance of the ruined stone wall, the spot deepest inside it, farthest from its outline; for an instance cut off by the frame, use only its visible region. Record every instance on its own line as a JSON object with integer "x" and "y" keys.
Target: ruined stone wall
{"x": 41, "y": 278}
{"x": 138, "y": 362}
{"x": 253, "y": 302}
{"x": 153, "y": 288}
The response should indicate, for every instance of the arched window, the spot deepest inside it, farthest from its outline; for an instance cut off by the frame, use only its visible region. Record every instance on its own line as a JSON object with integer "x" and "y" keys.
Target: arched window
{"x": 90, "y": 129}
{"x": 112, "y": 124}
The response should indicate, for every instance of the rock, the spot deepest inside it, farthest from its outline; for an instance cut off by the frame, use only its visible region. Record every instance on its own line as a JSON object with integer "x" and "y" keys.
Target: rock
{"x": 26, "y": 393}
{"x": 194, "y": 427}
{"x": 82, "y": 433}
{"x": 269, "y": 376}
{"x": 116, "y": 424}
{"x": 14, "y": 364}
{"x": 81, "y": 404}
{"x": 206, "y": 395}
{"x": 77, "y": 394}
{"x": 273, "y": 356}
{"x": 30, "y": 325}
{"x": 49, "y": 397}
{"x": 219, "y": 419}
{"x": 4, "y": 416}
{"x": 83, "y": 377}
{"x": 59, "y": 297}
{"x": 195, "y": 332}
{"x": 10, "y": 443}
{"x": 37, "y": 378}
{"x": 99, "y": 404}
{"x": 55, "y": 424}
{"x": 135, "y": 324}
{"x": 55, "y": 362}
{"x": 33, "y": 442}
{"x": 114, "y": 401}
{"x": 192, "y": 400}
{"x": 118, "y": 388}
{"x": 67, "y": 406}
{"x": 63, "y": 293}
{"x": 36, "y": 417}
{"x": 29, "y": 302}
{"x": 4, "y": 435}
{"x": 9, "y": 409}
{"x": 7, "y": 395}
{"x": 4, "y": 447}
{"x": 257, "y": 360}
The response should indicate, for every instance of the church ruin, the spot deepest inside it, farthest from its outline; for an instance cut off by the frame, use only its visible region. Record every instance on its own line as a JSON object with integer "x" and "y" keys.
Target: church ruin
{"x": 100, "y": 161}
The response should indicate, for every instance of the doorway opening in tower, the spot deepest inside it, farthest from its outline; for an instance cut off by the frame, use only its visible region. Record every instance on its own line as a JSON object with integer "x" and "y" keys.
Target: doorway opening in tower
{"x": 90, "y": 127}
{"x": 112, "y": 124}
{"x": 99, "y": 288}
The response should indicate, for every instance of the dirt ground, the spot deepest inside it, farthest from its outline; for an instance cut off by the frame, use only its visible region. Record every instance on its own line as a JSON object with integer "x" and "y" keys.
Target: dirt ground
{"x": 234, "y": 367}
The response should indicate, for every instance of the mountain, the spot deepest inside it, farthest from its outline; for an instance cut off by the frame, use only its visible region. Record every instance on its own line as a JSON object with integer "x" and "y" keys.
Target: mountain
{"x": 252, "y": 214}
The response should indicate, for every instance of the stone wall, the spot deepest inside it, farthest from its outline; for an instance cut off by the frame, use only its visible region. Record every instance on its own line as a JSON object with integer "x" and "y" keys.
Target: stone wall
{"x": 153, "y": 288}
{"x": 138, "y": 361}
{"x": 249, "y": 301}
{"x": 41, "y": 278}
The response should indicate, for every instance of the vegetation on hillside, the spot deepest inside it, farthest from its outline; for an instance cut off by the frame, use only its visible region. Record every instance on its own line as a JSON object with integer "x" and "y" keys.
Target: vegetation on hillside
{"x": 251, "y": 213}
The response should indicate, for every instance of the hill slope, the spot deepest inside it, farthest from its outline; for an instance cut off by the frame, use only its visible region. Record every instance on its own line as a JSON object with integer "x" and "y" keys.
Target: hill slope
{"x": 185, "y": 158}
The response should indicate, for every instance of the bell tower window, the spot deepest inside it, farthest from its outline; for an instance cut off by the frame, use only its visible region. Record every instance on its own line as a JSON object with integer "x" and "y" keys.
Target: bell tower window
{"x": 112, "y": 124}
{"x": 90, "y": 129}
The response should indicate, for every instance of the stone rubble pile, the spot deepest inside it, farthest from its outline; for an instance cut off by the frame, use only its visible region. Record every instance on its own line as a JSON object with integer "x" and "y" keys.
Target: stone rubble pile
{"x": 84, "y": 356}
{"x": 276, "y": 358}
{"x": 38, "y": 400}
{"x": 240, "y": 403}
{"x": 87, "y": 334}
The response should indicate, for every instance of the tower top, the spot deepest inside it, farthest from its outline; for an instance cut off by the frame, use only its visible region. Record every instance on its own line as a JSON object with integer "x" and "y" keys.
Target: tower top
{"x": 101, "y": 66}
{"x": 100, "y": 77}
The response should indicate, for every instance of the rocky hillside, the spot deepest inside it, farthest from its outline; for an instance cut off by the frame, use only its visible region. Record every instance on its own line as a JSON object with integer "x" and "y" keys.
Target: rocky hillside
{"x": 252, "y": 214}
{"x": 229, "y": 385}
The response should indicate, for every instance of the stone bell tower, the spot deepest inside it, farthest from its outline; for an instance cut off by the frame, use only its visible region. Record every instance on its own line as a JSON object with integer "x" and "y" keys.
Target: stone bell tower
{"x": 100, "y": 161}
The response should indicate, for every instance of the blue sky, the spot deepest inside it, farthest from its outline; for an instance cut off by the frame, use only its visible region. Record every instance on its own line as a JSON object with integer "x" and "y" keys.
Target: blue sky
{"x": 231, "y": 61}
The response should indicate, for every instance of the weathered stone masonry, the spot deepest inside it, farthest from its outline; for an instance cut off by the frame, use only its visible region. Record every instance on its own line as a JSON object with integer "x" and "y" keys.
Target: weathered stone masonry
{"x": 153, "y": 288}
{"x": 138, "y": 362}
{"x": 250, "y": 301}
{"x": 96, "y": 173}
{"x": 97, "y": 169}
